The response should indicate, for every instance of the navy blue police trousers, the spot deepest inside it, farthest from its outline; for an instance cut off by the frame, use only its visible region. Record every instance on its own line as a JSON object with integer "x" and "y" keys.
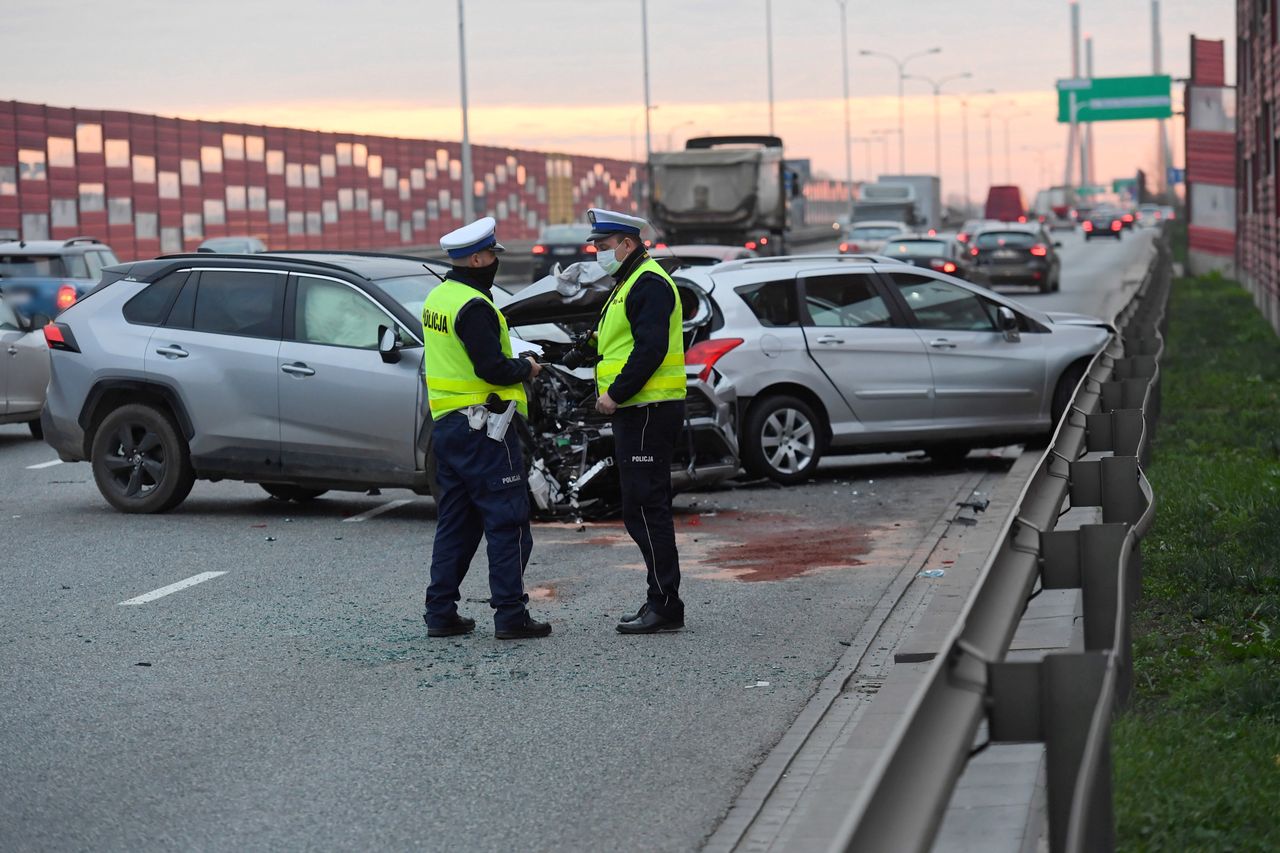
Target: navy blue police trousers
{"x": 644, "y": 440}
{"x": 482, "y": 493}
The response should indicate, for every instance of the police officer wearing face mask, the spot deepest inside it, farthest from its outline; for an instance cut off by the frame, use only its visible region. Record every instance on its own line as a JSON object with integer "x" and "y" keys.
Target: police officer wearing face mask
{"x": 476, "y": 390}
{"x": 640, "y": 381}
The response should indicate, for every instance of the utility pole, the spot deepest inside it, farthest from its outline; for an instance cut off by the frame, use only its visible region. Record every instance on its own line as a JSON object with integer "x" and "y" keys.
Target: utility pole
{"x": 468, "y": 183}
{"x": 1162, "y": 141}
{"x": 848, "y": 143}
{"x": 1087, "y": 167}
{"x": 1073, "y": 135}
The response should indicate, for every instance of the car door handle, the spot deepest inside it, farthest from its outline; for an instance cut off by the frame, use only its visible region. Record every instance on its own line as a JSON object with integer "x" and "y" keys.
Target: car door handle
{"x": 830, "y": 339}
{"x": 297, "y": 369}
{"x": 13, "y": 350}
{"x": 942, "y": 343}
{"x": 172, "y": 352}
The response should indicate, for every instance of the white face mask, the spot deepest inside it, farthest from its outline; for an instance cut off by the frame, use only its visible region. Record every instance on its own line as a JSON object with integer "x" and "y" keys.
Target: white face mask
{"x": 608, "y": 258}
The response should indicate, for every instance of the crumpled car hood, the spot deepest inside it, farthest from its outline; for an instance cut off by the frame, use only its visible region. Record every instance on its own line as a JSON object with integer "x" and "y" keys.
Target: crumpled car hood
{"x": 578, "y": 292}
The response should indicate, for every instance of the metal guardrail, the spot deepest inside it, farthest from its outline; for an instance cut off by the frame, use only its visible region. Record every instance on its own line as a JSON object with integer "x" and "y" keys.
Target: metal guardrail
{"x": 1065, "y": 700}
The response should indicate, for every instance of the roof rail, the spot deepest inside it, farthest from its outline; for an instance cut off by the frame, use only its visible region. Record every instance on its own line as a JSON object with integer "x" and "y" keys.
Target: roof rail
{"x": 212, "y": 256}
{"x": 356, "y": 253}
{"x": 744, "y": 263}
{"x": 74, "y": 240}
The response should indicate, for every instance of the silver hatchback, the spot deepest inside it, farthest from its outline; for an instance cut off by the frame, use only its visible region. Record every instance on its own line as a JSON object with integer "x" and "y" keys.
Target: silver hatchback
{"x": 853, "y": 354}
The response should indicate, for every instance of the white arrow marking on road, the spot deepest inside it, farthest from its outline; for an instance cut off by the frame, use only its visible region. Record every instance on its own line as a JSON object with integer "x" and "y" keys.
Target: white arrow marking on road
{"x": 379, "y": 510}
{"x": 173, "y": 587}
{"x": 44, "y": 465}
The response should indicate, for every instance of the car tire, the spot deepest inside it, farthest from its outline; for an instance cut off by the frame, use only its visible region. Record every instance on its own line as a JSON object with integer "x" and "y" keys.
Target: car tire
{"x": 37, "y": 431}
{"x": 288, "y": 492}
{"x": 782, "y": 439}
{"x": 1064, "y": 390}
{"x": 141, "y": 463}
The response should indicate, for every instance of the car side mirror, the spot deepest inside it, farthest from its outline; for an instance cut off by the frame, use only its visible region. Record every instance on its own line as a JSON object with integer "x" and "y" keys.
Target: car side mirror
{"x": 1008, "y": 323}
{"x": 389, "y": 344}
{"x": 34, "y": 322}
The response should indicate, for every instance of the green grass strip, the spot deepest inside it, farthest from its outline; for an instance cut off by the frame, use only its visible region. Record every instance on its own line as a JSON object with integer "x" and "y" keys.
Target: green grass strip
{"x": 1197, "y": 754}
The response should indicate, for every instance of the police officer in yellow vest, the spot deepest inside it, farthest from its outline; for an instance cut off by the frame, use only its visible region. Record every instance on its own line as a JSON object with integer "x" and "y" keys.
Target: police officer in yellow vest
{"x": 476, "y": 391}
{"x": 640, "y": 381}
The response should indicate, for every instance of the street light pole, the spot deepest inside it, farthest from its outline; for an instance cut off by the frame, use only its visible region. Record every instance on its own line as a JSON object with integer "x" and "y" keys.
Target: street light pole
{"x": 648, "y": 138}
{"x": 937, "y": 85}
{"x": 1008, "y": 159}
{"x": 848, "y": 144}
{"x": 902, "y": 76}
{"x": 468, "y": 188}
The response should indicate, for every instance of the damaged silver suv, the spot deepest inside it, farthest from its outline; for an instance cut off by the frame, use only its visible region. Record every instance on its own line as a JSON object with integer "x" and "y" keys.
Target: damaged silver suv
{"x": 301, "y": 372}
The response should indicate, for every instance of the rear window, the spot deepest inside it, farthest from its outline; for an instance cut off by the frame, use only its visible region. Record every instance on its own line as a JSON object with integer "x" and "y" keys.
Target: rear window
{"x": 565, "y": 234}
{"x": 151, "y": 306}
{"x": 874, "y": 232}
{"x": 916, "y": 248}
{"x": 1006, "y": 240}
{"x": 43, "y": 266}
{"x": 773, "y": 302}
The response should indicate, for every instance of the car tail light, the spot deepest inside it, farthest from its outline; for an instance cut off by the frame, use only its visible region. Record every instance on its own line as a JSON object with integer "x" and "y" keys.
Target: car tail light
{"x": 66, "y": 297}
{"x": 948, "y": 267}
{"x": 1128, "y": 217}
{"x": 59, "y": 336}
{"x": 1022, "y": 219}
{"x": 539, "y": 250}
{"x": 1172, "y": 217}
{"x": 648, "y": 244}
{"x": 974, "y": 251}
{"x": 707, "y": 353}
{"x": 1117, "y": 225}
{"x": 660, "y": 246}
{"x": 1040, "y": 250}
{"x": 962, "y": 237}
{"x": 750, "y": 244}
{"x": 933, "y": 232}
{"x": 844, "y": 247}
{"x": 590, "y": 248}
{"x": 764, "y": 241}
{"x": 1087, "y": 226}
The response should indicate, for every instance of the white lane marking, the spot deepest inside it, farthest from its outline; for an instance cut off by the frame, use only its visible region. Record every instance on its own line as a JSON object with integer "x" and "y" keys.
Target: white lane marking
{"x": 49, "y": 464}
{"x": 173, "y": 587}
{"x": 379, "y": 510}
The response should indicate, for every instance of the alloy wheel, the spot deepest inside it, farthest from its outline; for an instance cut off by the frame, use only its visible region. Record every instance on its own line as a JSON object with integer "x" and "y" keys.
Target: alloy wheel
{"x": 788, "y": 440}
{"x": 135, "y": 460}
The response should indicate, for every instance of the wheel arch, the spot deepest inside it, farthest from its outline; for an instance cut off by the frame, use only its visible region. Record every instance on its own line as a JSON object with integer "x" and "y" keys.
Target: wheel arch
{"x": 109, "y": 394}
{"x": 791, "y": 389}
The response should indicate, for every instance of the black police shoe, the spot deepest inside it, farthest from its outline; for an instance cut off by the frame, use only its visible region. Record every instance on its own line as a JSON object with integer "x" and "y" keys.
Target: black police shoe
{"x": 650, "y": 622}
{"x": 454, "y": 627}
{"x": 638, "y": 615}
{"x": 527, "y": 629}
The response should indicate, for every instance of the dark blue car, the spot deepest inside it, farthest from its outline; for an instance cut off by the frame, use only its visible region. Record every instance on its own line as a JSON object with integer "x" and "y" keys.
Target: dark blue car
{"x": 49, "y": 276}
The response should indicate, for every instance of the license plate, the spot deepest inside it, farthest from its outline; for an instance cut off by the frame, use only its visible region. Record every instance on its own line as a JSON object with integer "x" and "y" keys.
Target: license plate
{"x": 564, "y": 251}
{"x": 1004, "y": 254}
{"x": 17, "y": 297}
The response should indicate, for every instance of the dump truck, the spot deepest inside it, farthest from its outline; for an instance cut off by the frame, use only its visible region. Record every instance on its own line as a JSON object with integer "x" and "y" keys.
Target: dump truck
{"x": 726, "y": 190}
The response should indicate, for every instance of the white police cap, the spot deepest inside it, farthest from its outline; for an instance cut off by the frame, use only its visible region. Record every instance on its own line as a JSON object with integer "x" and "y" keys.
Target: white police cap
{"x": 605, "y": 223}
{"x": 472, "y": 238}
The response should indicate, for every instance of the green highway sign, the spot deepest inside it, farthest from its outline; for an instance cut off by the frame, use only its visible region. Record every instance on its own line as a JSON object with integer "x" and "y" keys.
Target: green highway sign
{"x": 1124, "y": 185}
{"x": 1115, "y": 98}
{"x": 1090, "y": 190}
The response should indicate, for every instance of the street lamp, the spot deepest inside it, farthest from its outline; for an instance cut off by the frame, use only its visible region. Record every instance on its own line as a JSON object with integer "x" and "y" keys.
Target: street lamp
{"x": 848, "y": 145}
{"x": 883, "y": 135}
{"x": 937, "y": 85}
{"x": 902, "y": 76}
{"x": 670, "y": 142}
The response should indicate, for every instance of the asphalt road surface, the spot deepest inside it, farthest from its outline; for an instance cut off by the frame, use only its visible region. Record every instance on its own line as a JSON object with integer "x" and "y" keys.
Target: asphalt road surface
{"x": 288, "y": 696}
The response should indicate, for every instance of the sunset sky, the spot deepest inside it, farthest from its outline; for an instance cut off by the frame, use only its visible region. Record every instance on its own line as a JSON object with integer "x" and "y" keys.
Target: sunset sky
{"x": 566, "y": 75}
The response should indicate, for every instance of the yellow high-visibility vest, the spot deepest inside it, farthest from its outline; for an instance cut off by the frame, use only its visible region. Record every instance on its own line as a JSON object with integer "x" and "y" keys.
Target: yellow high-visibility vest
{"x": 452, "y": 382}
{"x": 615, "y": 343}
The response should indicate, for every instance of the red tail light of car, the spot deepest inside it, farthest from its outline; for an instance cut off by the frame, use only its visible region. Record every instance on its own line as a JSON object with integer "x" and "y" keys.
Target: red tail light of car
{"x": 1087, "y": 226}
{"x": 764, "y": 241}
{"x": 66, "y": 297}
{"x": 58, "y": 336}
{"x": 1128, "y": 217}
{"x": 962, "y": 237}
{"x": 706, "y": 353}
{"x": 1022, "y": 219}
{"x": 590, "y": 248}
{"x": 974, "y": 251}
{"x": 943, "y": 266}
{"x": 750, "y": 244}
{"x": 1117, "y": 225}
{"x": 660, "y": 246}
{"x": 539, "y": 250}
{"x": 1040, "y": 250}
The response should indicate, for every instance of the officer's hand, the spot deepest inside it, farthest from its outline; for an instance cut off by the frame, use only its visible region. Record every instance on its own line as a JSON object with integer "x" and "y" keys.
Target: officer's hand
{"x": 605, "y": 404}
{"x": 537, "y": 368}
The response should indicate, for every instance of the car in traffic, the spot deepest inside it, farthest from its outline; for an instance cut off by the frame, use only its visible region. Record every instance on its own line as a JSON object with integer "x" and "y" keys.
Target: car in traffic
{"x": 1004, "y": 204}
{"x": 49, "y": 276}
{"x": 1102, "y": 222}
{"x": 869, "y": 237}
{"x": 24, "y": 368}
{"x": 973, "y": 226}
{"x": 563, "y": 245}
{"x": 233, "y": 245}
{"x": 702, "y": 254}
{"x": 854, "y": 354}
{"x": 302, "y": 372}
{"x": 1017, "y": 254}
{"x": 940, "y": 252}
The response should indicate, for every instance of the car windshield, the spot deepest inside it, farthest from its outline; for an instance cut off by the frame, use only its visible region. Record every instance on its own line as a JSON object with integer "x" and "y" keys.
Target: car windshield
{"x": 874, "y": 232}
{"x": 43, "y": 266}
{"x": 915, "y": 248}
{"x": 1005, "y": 240}
{"x": 565, "y": 234}
{"x": 411, "y": 291}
